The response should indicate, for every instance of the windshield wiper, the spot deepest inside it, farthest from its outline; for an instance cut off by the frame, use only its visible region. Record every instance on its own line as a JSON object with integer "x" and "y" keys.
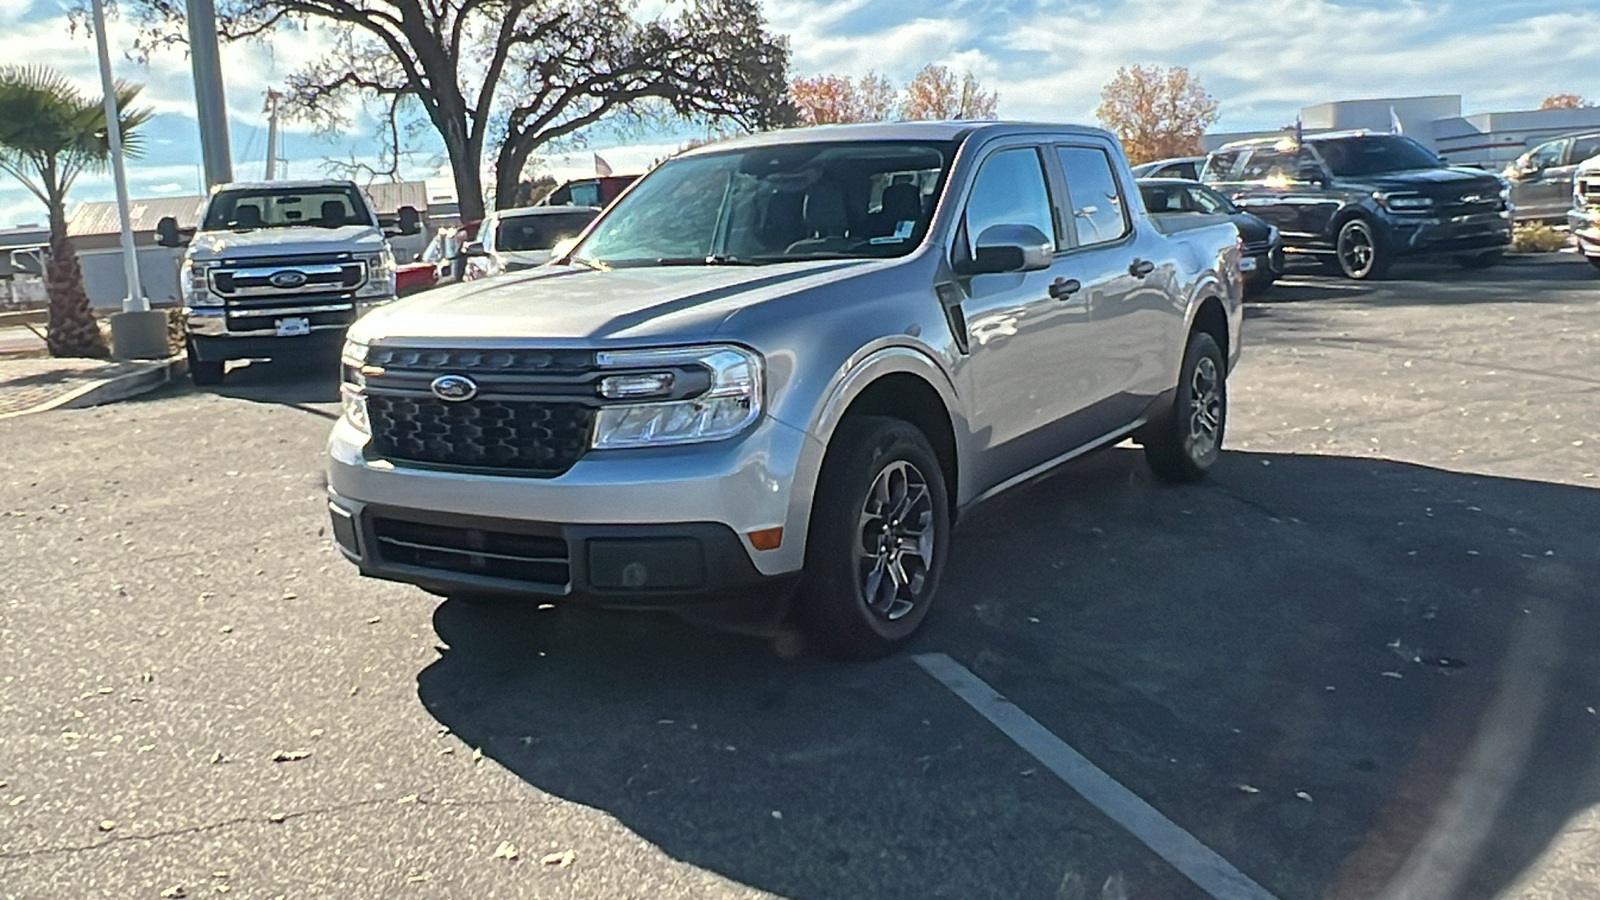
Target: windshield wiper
{"x": 712, "y": 260}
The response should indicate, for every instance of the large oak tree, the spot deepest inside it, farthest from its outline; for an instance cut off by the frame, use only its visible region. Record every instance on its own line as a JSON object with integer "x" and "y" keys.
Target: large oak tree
{"x": 1158, "y": 112}
{"x": 516, "y": 74}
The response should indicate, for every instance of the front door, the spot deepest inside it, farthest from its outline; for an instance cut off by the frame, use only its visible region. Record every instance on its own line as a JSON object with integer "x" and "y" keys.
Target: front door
{"x": 1028, "y": 337}
{"x": 1538, "y": 189}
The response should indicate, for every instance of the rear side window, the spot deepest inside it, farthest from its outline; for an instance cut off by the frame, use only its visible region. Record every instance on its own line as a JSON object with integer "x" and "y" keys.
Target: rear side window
{"x": 1268, "y": 162}
{"x": 1009, "y": 190}
{"x": 1096, "y": 201}
{"x": 1585, "y": 148}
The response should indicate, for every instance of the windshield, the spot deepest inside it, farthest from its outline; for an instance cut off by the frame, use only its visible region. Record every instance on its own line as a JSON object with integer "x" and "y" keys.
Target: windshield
{"x": 540, "y": 231}
{"x": 776, "y": 204}
{"x": 324, "y": 207}
{"x": 1353, "y": 157}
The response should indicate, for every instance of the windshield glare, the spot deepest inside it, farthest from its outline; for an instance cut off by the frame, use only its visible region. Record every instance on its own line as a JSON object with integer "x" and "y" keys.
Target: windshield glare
{"x": 324, "y": 207}
{"x": 540, "y": 232}
{"x": 776, "y": 204}
{"x": 1353, "y": 157}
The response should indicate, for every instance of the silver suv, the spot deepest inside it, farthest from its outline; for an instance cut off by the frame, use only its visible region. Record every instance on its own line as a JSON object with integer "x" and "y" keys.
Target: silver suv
{"x": 772, "y": 375}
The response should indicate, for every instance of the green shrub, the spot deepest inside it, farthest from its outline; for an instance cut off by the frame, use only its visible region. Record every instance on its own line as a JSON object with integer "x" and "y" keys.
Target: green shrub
{"x": 1537, "y": 237}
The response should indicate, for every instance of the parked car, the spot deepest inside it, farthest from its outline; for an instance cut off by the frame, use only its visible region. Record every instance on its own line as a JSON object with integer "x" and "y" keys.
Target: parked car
{"x": 1584, "y": 217}
{"x": 280, "y": 269}
{"x": 1187, "y": 167}
{"x": 777, "y": 369}
{"x": 516, "y": 239}
{"x": 1541, "y": 179}
{"x": 1261, "y": 256}
{"x": 1359, "y": 201}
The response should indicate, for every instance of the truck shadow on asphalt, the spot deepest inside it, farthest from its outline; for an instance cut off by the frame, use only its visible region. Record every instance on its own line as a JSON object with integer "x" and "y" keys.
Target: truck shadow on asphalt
{"x": 1433, "y": 284}
{"x": 1345, "y": 675}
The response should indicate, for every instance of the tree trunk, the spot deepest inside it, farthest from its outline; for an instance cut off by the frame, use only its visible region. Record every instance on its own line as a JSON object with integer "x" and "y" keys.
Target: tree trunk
{"x": 513, "y": 159}
{"x": 73, "y": 330}
{"x": 464, "y": 165}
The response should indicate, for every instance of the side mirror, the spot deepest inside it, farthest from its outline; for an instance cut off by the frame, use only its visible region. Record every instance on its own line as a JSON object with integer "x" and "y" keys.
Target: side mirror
{"x": 474, "y": 250}
{"x": 410, "y": 221}
{"x": 1311, "y": 174}
{"x": 167, "y": 232}
{"x": 1009, "y": 248}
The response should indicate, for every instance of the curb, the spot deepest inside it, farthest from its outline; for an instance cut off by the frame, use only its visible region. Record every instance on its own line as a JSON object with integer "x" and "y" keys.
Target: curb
{"x": 24, "y": 317}
{"x": 111, "y": 390}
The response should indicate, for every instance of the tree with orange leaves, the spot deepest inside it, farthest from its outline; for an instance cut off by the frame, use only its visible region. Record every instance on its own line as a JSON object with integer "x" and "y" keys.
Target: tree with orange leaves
{"x": 1566, "y": 101}
{"x": 1158, "y": 112}
{"x": 934, "y": 93}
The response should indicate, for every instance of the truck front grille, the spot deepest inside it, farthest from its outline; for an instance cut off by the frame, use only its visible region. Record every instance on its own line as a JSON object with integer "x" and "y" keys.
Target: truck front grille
{"x": 531, "y": 559}
{"x": 257, "y": 292}
{"x": 531, "y": 437}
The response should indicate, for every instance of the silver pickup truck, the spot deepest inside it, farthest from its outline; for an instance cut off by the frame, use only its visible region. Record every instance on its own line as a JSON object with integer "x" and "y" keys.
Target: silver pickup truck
{"x": 771, "y": 376}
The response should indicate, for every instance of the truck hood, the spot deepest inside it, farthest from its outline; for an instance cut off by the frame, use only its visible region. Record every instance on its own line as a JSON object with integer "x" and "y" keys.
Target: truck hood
{"x": 578, "y": 306}
{"x": 306, "y": 241}
{"x": 1436, "y": 182}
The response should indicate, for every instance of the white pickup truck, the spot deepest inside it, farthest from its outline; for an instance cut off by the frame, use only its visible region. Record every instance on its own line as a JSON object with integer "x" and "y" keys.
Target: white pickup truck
{"x": 280, "y": 269}
{"x": 769, "y": 377}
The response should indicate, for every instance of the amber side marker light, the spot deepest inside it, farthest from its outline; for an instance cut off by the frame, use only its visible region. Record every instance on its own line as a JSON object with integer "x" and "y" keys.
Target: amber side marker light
{"x": 766, "y": 538}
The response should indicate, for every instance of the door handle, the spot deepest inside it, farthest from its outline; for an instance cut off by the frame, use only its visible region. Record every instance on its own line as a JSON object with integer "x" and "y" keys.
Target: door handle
{"x": 1062, "y": 288}
{"x": 1141, "y": 268}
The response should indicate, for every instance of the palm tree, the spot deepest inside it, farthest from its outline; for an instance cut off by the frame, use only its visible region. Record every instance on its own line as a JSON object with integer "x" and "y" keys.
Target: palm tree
{"x": 50, "y": 133}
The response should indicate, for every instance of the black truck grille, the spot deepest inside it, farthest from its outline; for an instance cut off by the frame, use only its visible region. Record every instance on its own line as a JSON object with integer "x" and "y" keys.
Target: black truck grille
{"x": 537, "y": 438}
{"x": 528, "y": 558}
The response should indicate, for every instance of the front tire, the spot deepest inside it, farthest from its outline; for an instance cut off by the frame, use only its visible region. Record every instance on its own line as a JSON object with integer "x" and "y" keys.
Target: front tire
{"x": 204, "y": 373}
{"x": 1359, "y": 253}
{"x": 880, "y": 531}
{"x": 1184, "y": 444}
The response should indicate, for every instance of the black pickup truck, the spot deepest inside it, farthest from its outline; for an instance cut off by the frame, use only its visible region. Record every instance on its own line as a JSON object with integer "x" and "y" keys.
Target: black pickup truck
{"x": 1358, "y": 201}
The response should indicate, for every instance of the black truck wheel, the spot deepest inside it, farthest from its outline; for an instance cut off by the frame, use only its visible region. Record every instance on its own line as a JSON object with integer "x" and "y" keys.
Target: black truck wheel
{"x": 1361, "y": 256}
{"x": 880, "y": 531}
{"x": 204, "y": 372}
{"x": 1183, "y": 444}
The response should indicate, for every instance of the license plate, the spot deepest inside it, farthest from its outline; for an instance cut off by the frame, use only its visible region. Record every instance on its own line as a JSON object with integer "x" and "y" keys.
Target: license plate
{"x": 293, "y": 327}
{"x": 1247, "y": 264}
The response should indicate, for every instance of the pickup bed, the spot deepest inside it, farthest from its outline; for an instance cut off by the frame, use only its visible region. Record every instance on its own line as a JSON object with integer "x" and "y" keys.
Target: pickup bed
{"x": 768, "y": 379}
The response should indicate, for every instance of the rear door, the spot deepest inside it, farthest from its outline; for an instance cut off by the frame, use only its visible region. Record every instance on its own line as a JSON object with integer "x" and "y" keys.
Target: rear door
{"x": 1127, "y": 284}
{"x": 1028, "y": 336}
{"x": 1536, "y": 183}
{"x": 1273, "y": 184}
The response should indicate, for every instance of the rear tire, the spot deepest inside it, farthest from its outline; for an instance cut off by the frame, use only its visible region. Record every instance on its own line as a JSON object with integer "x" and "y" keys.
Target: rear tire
{"x": 1479, "y": 261}
{"x": 204, "y": 373}
{"x": 1359, "y": 253}
{"x": 880, "y": 531}
{"x": 1184, "y": 444}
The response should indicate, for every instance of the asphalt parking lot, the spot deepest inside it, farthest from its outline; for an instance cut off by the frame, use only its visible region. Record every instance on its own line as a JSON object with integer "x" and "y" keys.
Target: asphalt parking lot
{"x": 1357, "y": 662}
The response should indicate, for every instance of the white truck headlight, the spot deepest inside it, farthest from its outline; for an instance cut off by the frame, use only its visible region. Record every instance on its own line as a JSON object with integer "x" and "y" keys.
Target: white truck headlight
{"x": 380, "y": 274}
{"x": 194, "y": 280}
{"x": 353, "y": 386}
{"x": 730, "y": 403}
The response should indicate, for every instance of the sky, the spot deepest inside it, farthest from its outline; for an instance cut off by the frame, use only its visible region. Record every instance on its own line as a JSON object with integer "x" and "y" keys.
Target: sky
{"x": 1048, "y": 59}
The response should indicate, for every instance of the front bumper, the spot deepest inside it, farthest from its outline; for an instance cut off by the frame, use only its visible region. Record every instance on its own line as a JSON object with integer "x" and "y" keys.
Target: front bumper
{"x": 1585, "y": 226}
{"x": 1461, "y": 234}
{"x": 695, "y": 505}
{"x": 212, "y": 340}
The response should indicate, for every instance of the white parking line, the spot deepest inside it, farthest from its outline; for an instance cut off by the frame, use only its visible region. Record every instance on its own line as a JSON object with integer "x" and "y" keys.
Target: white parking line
{"x": 1215, "y": 875}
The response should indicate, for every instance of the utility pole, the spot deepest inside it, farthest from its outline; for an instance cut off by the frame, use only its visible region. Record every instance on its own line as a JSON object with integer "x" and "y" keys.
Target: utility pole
{"x": 210, "y": 102}
{"x": 271, "y": 109}
{"x": 137, "y": 332}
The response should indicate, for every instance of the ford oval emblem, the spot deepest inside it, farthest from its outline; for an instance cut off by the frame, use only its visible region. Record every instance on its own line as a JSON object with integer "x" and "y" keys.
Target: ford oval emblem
{"x": 454, "y": 388}
{"x": 288, "y": 279}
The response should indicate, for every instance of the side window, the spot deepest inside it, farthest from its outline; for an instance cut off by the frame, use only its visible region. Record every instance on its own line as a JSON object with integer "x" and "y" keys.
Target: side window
{"x": 1219, "y": 166}
{"x": 1097, "y": 207}
{"x": 1268, "y": 162}
{"x": 1584, "y": 148}
{"x": 1009, "y": 190}
{"x": 1546, "y": 155}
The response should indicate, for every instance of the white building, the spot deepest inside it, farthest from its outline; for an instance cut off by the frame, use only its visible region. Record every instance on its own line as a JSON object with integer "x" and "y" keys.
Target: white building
{"x": 1487, "y": 140}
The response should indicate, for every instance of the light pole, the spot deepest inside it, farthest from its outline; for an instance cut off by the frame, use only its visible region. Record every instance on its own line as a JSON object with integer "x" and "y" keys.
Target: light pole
{"x": 210, "y": 103}
{"x": 136, "y": 332}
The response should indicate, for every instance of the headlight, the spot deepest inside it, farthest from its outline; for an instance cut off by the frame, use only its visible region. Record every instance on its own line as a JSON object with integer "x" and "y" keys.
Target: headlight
{"x": 195, "y": 283}
{"x": 353, "y": 385}
{"x": 380, "y": 274}
{"x": 729, "y": 403}
{"x": 1404, "y": 203}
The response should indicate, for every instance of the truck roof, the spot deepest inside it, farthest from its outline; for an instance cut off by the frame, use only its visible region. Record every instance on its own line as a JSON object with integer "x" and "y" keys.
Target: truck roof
{"x": 1308, "y": 138}
{"x": 300, "y": 185}
{"x": 897, "y": 131}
